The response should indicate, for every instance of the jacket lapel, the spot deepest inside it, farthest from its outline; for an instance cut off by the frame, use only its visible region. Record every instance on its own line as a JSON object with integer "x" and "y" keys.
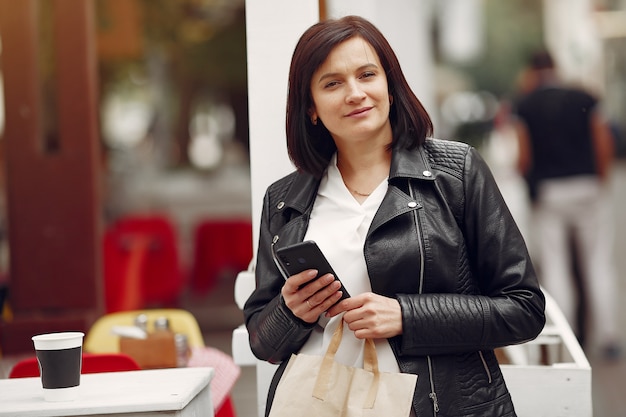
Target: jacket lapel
{"x": 405, "y": 166}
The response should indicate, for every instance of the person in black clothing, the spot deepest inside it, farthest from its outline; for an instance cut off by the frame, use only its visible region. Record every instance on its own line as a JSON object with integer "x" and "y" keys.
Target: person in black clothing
{"x": 565, "y": 152}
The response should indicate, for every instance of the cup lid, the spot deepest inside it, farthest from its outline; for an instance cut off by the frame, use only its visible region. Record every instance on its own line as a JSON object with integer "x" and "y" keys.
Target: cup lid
{"x": 60, "y": 340}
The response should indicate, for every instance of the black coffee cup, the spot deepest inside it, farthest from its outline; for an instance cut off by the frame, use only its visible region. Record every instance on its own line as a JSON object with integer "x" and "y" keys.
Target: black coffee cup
{"x": 60, "y": 360}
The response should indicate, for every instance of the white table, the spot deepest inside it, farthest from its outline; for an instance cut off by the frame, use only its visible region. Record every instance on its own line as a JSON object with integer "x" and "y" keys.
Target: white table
{"x": 161, "y": 392}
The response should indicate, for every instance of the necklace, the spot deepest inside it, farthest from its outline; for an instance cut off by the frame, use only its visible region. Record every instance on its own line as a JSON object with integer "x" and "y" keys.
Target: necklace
{"x": 352, "y": 190}
{"x": 359, "y": 193}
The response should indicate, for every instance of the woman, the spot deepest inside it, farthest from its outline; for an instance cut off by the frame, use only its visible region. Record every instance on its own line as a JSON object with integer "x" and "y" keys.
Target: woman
{"x": 415, "y": 229}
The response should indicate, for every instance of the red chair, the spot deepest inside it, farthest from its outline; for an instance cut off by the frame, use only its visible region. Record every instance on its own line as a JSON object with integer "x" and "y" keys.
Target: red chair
{"x": 221, "y": 245}
{"x": 93, "y": 363}
{"x": 141, "y": 263}
{"x": 227, "y": 409}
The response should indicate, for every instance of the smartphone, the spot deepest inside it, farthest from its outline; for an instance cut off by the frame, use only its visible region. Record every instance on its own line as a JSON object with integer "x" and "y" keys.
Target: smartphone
{"x": 305, "y": 255}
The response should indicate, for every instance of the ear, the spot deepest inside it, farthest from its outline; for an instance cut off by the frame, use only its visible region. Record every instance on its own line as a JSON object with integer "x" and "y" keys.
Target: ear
{"x": 313, "y": 116}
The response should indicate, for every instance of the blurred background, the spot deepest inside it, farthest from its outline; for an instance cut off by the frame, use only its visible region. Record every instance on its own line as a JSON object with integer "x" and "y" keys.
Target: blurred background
{"x": 125, "y": 141}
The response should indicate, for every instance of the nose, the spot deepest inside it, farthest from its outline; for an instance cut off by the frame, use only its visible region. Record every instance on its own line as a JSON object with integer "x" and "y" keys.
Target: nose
{"x": 354, "y": 93}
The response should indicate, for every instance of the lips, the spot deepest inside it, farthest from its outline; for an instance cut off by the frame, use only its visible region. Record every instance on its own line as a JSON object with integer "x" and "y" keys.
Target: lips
{"x": 359, "y": 111}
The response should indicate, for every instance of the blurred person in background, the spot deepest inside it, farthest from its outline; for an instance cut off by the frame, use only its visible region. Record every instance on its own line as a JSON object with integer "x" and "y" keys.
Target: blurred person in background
{"x": 565, "y": 155}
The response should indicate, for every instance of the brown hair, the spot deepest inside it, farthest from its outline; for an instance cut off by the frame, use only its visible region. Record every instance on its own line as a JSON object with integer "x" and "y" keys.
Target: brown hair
{"x": 310, "y": 146}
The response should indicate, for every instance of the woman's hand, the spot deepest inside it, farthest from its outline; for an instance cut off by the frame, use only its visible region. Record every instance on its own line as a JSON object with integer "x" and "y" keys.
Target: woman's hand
{"x": 370, "y": 316}
{"x": 308, "y": 302}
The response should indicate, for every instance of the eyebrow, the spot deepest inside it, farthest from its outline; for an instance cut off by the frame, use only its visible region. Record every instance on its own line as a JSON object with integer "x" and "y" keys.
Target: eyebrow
{"x": 335, "y": 74}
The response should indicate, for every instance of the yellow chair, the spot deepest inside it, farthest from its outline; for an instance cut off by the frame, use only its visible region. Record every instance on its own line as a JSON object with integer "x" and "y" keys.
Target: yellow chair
{"x": 100, "y": 339}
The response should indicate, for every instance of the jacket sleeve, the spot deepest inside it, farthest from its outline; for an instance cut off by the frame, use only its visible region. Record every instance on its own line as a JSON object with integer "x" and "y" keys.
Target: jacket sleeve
{"x": 509, "y": 308}
{"x": 274, "y": 331}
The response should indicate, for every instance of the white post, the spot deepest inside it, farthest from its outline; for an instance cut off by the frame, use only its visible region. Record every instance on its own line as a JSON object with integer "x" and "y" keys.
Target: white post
{"x": 272, "y": 29}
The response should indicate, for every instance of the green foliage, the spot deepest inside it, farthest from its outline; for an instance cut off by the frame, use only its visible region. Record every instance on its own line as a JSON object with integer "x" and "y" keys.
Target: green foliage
{"x": 204, "y": 43}
{"x": 196, "y": 40}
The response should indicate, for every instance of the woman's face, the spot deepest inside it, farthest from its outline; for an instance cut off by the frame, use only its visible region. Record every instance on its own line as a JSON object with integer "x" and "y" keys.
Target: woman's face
{"x": 350, "y": 94}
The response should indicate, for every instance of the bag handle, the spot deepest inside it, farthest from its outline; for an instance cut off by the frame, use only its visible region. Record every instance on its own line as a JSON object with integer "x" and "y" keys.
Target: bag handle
{"x": 370, "y": 364}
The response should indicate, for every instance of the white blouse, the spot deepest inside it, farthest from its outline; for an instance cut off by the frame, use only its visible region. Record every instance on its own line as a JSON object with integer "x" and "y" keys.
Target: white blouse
{"x": 339, "y": 225}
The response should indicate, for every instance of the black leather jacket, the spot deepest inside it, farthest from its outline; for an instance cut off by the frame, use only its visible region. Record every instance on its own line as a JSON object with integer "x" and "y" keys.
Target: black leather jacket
{"x": 444, "y": 244}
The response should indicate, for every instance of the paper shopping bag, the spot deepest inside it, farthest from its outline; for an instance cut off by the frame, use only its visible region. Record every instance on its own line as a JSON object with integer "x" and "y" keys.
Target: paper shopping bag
{"x": 314, "y": 386}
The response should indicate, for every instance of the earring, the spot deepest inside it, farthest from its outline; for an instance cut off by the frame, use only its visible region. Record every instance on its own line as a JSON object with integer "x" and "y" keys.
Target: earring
{"x": 314, "y": 121}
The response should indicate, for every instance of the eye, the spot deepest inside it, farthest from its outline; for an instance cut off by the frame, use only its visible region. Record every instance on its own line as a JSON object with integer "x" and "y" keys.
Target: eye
{"x": 368, "y": 74}
{"x": 331, "y": 84}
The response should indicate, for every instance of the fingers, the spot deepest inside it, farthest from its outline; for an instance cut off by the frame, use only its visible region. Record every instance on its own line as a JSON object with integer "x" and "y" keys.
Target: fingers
{"x": 372, "y": 316}
{"x": 327, "y": 300}
{"x": 306, "y": 285}
{"x": 309, "y": 310}
{"x": 294, "y": 282}
{"x": 309, "y": 301}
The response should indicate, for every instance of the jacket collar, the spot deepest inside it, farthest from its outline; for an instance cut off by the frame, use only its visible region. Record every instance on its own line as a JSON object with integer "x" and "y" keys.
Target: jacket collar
{"x": 302, "y": 192}
{"x": 404, "y": 164}
{"x": 411, "y": 163}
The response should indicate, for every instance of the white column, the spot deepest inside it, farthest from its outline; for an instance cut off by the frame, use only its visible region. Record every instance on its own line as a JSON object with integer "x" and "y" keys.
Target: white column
{"x": 273, "y": 27}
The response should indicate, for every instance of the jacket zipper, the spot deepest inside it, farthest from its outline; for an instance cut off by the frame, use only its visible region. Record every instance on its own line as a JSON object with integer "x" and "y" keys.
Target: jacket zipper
{"x": 433, "y": 394}
{"x": 275, "y": 257}
{"x": 482, "y": 358}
